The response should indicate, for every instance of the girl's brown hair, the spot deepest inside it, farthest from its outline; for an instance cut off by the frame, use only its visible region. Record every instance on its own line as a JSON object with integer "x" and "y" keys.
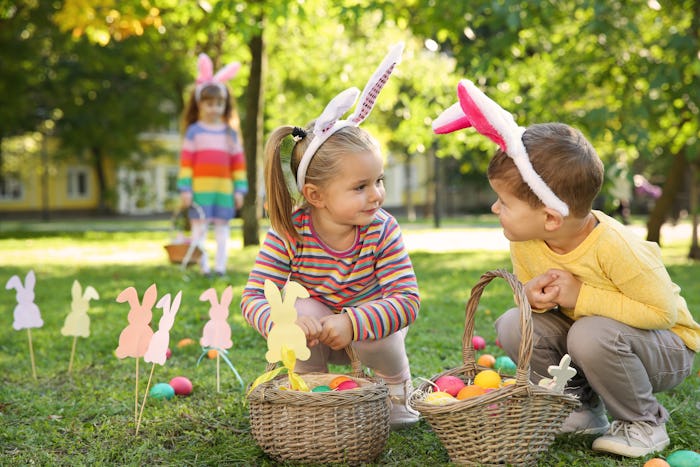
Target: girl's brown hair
{"x": 565, "y": 160}
{"x": 281, "y": 168}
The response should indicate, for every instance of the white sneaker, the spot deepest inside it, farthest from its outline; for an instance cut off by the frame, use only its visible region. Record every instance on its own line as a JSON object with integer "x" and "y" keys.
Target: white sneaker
{"x": 589, "y": 419}
{"x": 633, "y": 439}
{"x": 401, "y": 415}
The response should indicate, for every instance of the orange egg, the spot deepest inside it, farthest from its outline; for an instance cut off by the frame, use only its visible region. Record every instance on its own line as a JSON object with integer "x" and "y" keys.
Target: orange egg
{"x": 656, "y": 462}
{"x": 185, "y": 342}
{"x": 470, "y": 391}
{"x": 488, "y": 379}
{"x": 335, "y": 382}
{"x": 486, "y": 360}
{"x": 212, "y": 353}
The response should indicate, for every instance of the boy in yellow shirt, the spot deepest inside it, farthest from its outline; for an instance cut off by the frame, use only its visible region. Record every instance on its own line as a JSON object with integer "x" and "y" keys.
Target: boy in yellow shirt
{"x": 599, "y": 293}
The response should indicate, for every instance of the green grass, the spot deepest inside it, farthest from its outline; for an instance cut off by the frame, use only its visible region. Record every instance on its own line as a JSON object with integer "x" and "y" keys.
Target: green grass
{"x": 86, "y": 417}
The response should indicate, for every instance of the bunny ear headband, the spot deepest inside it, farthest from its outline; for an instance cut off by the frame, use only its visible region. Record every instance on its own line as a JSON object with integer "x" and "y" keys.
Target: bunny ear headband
{"x": 328, "y": 122}
{"x": 206, "y": 76}
{"x": 477, "y": 110}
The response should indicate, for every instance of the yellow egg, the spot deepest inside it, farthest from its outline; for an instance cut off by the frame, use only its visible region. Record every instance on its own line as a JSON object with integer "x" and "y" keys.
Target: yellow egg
{"x": 439, "y": 398}
{"x": 508, "y": 381}
{"x": 488, "y": 379}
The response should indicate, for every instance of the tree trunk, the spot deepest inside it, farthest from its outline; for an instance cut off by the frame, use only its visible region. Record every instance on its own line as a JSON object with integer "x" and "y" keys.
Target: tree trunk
{"x": 253, "y": 136}
{"x": 408, "y": 189}
{"x": 694, "y": 252}
{"x": 101, "y": 180}
{"x": 673, "y": 184}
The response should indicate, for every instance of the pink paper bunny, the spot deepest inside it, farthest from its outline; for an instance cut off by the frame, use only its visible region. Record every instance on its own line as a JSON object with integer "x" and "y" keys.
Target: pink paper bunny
{"x": 217, "y": 332}
{"x": 157, "y": 349}
{"x": 135, "y": 338}
{"x": 78, "y": 322}
{"x": 26, "y": 313}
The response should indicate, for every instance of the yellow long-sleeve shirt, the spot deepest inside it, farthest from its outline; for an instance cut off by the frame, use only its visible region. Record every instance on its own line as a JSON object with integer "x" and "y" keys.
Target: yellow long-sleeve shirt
{"x": 623, "y": 277}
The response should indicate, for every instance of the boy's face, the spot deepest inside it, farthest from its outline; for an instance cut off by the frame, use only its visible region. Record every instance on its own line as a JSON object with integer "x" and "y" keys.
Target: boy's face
{"x": 519, "y": 220}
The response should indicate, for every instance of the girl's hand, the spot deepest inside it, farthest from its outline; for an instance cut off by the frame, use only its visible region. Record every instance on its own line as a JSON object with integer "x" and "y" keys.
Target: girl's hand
{"x": 337, "y": 331}
{"x": 238, "y": 200}
{"x": 311, "y": 327}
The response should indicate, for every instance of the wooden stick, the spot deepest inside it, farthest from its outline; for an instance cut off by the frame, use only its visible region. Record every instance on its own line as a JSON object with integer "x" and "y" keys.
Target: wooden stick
{"x": 148, "y": 385}
{"x": 72, "y": 354}
{"x": 136, "y": 393}
{"x": 218, "y": 386}
{"x": 31, "y": 352}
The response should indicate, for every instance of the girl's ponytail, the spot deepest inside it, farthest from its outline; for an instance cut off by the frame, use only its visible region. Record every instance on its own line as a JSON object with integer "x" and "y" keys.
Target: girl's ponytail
{"x": 280, "y": 202}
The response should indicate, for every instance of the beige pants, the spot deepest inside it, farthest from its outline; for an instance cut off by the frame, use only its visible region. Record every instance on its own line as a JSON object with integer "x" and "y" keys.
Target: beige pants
{"x": 386, "y": 357}
{"x": 623, "y": 365}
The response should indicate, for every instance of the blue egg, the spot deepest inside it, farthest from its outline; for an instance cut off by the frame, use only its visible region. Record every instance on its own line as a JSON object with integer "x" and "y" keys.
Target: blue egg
{"x": 504, "y": 363}
{"x": 321, "y": 389}
{"x": 683, "y": 458}
{"x": 162, "y": 391}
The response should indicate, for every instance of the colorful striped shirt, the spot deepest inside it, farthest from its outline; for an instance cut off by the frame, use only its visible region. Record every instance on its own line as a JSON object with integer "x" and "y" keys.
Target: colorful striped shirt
{"x": 373, "y": 281}
{"x": 212, "y": 167}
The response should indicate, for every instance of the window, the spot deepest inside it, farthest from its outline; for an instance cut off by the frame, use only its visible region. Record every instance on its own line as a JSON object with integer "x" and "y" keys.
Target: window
{"x": 10, "y": 188}
{"x": 78, "y": 186}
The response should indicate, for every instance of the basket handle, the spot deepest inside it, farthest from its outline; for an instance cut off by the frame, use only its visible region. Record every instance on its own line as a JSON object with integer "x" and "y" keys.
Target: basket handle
{"x": 355, "y": 363}
{"x": 522, "y": 374}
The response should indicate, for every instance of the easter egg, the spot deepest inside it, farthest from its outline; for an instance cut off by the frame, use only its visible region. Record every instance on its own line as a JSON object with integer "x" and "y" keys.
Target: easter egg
{"x": 168, "y": 353}
{"x": 508, "y": 381}
{"x": 346, "y": 385}
{"x": 478, "y": 342}
{"x": 488, "y": 379}
{"x": 449, "y": 384}
{"x": 162, "y": 391}
{"x": 322, "y": 388}
{"x": 212, "y": 353}
{"x": 470, "y": 391}
{"x": 184, "y": 342}
{"x": 504, "y": 363}
{"x": 683, "y": 458}
{"x": 439, "y": 398}
{"x": 486, "y": 360}
{"x": 337, "y": 380}
{"x": 498, "y": 344}
{"x": 181, "y": 385}
{"x": 656, "y": 462}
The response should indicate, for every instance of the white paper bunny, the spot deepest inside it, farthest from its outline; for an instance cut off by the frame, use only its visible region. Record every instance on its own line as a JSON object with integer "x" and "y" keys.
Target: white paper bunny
{"x": 27, "y": 314}
{"x": 158, "y": 348}
{"x": 78, "y": 322}
{"x": 217, "y": 332}
{"x": 285, "y": 332}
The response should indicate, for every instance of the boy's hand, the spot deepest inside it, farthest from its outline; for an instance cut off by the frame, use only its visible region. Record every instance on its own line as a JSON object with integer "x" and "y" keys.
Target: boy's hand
{"x": 569, "y": 287}
{"x": 542, "y": 291}
{"x": 337, "y": 331}
{"x": 312, "y": 329}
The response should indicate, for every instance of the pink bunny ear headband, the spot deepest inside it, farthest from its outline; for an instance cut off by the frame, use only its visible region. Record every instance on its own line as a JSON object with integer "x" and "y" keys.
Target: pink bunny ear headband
{"x": 328, "y": 122}
{"x": 477, "y": 110}
{"x": 206, "y": 76}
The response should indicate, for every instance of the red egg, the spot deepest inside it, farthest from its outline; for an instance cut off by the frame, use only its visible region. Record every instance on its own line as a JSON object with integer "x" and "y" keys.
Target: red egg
{"x": 478, "y": 342}
{"x": 181, "y": 385}
{"x": 345, "y": 385}
{"x": 168, "y": 353}
{"x": 449, "y": 384}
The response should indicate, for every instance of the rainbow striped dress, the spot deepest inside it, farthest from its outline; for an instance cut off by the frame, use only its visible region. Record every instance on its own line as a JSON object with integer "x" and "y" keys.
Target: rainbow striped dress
{"x": 212, "y": 167}
{"x": 373, "y": 281}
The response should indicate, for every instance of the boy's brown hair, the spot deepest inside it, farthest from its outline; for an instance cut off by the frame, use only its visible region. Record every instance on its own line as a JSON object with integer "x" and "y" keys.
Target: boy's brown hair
{"x": 565, "y": 160}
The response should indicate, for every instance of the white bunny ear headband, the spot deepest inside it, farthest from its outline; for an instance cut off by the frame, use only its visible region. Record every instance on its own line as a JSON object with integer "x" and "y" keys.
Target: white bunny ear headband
{"x": 206, "y": 76}
{"x": 477, "y": 110}
{"x": 328, "y": 122}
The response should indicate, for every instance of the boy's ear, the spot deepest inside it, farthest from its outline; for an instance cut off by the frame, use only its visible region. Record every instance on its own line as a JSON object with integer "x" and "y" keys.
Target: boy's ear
{"x": 313, "y": 195}
{"x": 553, "y": 220}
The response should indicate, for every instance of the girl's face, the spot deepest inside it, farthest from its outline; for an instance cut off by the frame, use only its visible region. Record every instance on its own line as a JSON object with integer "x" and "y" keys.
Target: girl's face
{"x": 355, "y": 194}
{"x": 211, "y": 110}
{"x": 519, "y": 220}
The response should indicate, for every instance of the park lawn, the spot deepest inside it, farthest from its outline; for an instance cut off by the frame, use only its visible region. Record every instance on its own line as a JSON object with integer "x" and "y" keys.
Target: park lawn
{"x": 87, "y": 417}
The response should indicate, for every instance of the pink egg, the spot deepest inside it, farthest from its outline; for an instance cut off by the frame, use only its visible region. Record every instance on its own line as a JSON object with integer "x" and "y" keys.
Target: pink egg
{"x": 478, "y": 342}
{"x": 168, "y": 353}
{"x": 181, "y": 385}
{"x": 449, "y": 384}
{"x": 345, "y": 385}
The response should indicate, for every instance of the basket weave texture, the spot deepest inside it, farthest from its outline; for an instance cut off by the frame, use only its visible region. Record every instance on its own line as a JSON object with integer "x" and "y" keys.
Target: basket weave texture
{"x": 511, "y": 425}
{"x": 177, "y": 251}
{"x": 350, "y": 427}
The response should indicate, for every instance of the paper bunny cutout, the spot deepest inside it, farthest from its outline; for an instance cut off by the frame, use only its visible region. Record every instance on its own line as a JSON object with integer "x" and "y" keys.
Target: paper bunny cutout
{"x": 285, "y": 333}
{"x": 560, "y": 375}
{"x": 26, "y": 314}
{"x": 157, "y": 351}
{"x": 217, "y": 332}
{"x": 78, "y": 322}
{"x": 475, "y": 109}
{"x": 328, "y": 122}
{"x": 206, "y": 76}
{"x": 135, "y": 338}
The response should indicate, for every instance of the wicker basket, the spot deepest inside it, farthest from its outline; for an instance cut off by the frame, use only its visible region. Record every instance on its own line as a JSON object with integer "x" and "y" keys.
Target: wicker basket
{"x": 349, "y": 427}
{"x": 177, "y": 251}
{"x": 511, "y": 425}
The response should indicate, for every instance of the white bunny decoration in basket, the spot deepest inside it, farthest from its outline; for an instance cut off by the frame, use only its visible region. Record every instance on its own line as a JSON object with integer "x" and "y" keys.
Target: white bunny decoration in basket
{"x": 78, "y": 322}
{"x": 157, "y": 351}
{"x": 285, "y": 332}
{"x": 217, "y": 332}
{"x": 26, "y": 314}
